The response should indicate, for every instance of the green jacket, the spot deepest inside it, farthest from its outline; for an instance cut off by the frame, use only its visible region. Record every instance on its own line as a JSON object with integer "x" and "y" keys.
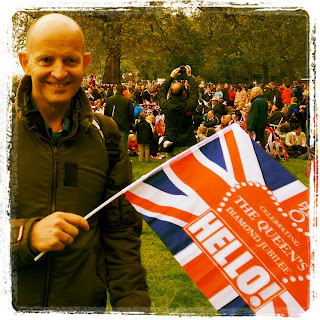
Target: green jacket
{"x": 178, "y": 111}
{"x": 257, "y": 115}
{"x": 72, "y": 177}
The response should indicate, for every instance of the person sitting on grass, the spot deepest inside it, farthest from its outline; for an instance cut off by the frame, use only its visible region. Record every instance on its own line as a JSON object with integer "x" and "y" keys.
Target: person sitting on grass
{"x": 132, "y": 145}
{"x": 296, "y": 142}
{"x": 201, "y": 133}
{"x": 210, "y": 122}
{"x": 226, "y": 120}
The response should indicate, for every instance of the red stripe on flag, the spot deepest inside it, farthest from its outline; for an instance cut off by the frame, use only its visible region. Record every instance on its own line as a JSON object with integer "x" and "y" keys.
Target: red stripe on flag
{"x": 235, "y": 156}
{"x": 199, "y": 267}
{"x": 205, "y": 182}
{"x": 280, "y": 307}
{"x": 212, "y": 283}
{"x": 206, "y": 275}
{"x": 166, "y": 210}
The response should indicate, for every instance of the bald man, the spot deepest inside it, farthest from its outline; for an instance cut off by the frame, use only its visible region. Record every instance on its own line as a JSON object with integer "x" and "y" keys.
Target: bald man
{"x": 61, "y": 171}
{"x": 179, "y": 108}
{"x": 257, "y": 116}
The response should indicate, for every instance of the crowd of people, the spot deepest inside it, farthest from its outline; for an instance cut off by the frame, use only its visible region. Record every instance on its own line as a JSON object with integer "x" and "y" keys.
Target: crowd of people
{"x": 218, "y": 105}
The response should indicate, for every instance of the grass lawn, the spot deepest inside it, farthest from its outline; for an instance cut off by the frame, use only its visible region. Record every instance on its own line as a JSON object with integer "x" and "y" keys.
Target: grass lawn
{"x": 171, "y": 289}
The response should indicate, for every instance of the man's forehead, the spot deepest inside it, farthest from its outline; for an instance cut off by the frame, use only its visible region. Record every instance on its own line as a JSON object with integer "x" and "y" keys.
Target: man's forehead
{"x": 54, "y": 27}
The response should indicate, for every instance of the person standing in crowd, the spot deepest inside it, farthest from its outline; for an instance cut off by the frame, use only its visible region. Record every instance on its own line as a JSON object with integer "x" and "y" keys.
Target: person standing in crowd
{"x": 145, "y": 94}
{"x": 218, "y": 93}
{"x": 137, "y": 96}
{"x": 243, "y": 94}
{"x": 257, "y": 116}
{"x": 179, "y": 108}
{"x": 275, "y": 95}
{"x": 225, "y": 92}
{"x": 237, "y": 96}
{"x": 60, "y": 171}
{"x": 286, "y": 95}
{"x": 109, "y": 92}
{"x": 120, "y": 109}
{"x": 297, "y": 114}
{"x": 144, "y": 137}
{"x": 231, "y": 95}
{"x": 297, "y": 91}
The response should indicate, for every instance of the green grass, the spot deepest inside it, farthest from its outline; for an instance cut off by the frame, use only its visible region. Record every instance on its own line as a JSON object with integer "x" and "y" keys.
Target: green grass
{"x": 171, "y": 289}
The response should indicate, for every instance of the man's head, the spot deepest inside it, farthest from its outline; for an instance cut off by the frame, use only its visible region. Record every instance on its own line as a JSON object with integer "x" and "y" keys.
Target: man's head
{"x": 177, "y": 89}
{"x": 55, "y": 60}
{"x": 119, "y": 88}
{"x": 142, "y": 116}
{"x": 210, "y": 114}
{"x": 296, "y": 127}
{"x": 272, "y": 85}
{"x": 255, "y": 91}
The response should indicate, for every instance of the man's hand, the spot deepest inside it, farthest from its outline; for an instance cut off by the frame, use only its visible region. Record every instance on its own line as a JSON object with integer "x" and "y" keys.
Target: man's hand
{"x": 174, "y": 73}
{"x": 56, "y": 231}
{"x": 188, "y": 70}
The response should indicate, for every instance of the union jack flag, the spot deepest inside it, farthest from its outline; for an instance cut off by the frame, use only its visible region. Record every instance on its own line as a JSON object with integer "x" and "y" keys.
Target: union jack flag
{"x": 236, "y": 221}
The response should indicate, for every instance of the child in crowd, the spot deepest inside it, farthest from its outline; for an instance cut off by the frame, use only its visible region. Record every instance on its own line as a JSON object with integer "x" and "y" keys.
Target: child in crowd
{"x": 296, "y": 142}
{"x": 132, "y": 145}
{"x": 201, "y": 133}
{"x": 144, "y": 137}
{"x": 154, "y": 144}
{"x": 239, "y": 109}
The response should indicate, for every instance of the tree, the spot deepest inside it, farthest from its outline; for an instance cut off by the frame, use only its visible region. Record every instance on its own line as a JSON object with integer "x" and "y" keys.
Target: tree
{"x": 220, "y": 43}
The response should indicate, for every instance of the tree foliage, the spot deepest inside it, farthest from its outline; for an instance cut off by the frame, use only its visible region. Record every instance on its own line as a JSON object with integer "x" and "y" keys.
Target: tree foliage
{"x": 220, "y": 43}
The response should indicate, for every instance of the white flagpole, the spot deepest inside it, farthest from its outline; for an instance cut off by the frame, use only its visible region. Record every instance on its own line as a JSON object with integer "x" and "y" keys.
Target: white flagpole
{"x": 133, "y": 184}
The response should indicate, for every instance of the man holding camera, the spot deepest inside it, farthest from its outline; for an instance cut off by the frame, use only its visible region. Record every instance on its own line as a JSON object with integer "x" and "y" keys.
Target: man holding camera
{"x": 179, "y": 108}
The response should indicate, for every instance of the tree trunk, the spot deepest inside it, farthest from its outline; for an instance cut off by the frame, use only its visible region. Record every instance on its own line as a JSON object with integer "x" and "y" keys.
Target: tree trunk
{"x": 266, "y": 76}
{"x": 250, "y": 74}
{"x": 112, "y": 68}
{"x": 113, "y": 58}
{"x": 290, "y": 71}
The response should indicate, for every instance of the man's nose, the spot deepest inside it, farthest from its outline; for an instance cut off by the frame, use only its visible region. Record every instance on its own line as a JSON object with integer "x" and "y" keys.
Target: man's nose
{"x": 59, "y": 70}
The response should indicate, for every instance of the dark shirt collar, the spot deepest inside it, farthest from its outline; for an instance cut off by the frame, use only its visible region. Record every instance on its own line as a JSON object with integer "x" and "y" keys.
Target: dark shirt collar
{"x": 66, "y": 124}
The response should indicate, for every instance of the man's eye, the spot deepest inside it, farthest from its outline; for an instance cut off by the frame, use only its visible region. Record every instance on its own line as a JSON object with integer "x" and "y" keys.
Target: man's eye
{"x": 72, "y": 60}
{"x": 46, "y": 59}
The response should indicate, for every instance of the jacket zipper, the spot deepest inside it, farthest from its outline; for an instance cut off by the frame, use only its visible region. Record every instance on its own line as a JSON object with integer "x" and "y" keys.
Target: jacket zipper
{"x": 53, "y": 209}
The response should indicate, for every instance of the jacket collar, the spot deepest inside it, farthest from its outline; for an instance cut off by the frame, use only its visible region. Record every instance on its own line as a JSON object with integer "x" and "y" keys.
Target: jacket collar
{"x": 82, "y": 115}
{"x": 258, "y": 96}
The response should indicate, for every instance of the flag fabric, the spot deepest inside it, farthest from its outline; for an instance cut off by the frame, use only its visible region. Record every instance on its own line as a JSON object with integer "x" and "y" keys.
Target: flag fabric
{"x": 236, "y": 221}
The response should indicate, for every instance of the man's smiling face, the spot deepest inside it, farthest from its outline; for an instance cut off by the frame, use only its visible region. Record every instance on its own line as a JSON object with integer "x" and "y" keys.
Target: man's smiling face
{"x": 56, "y": 62}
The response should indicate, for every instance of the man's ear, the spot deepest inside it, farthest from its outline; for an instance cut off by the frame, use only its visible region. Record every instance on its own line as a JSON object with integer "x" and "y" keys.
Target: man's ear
{"x": 86, "y": 60}
{"x": 24, "y": 62}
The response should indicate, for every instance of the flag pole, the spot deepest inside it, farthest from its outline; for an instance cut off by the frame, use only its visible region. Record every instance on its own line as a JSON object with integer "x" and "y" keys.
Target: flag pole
{"x": 102, "y": 205}
{"x": 144, "y": 177}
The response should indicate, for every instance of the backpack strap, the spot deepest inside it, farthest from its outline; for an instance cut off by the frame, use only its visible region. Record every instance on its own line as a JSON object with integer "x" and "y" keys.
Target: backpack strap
{"x": 110, "y": 135}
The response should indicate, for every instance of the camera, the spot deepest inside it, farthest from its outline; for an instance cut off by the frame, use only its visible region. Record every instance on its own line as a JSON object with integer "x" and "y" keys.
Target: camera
{"x": 182, "y": 69}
